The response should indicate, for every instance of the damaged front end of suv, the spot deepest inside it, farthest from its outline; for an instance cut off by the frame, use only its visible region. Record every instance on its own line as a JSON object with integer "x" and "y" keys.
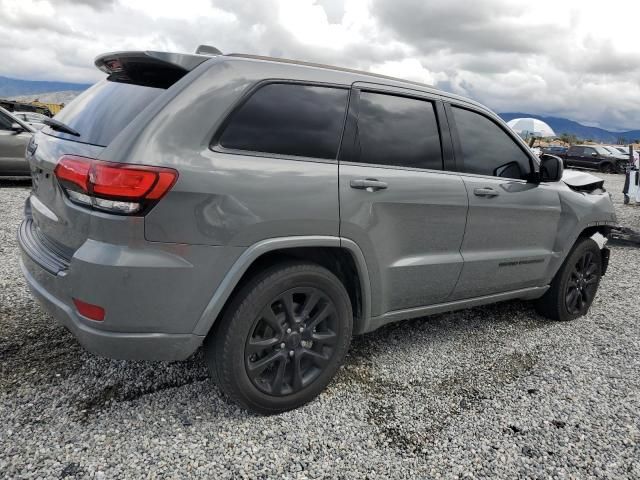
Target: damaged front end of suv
{"x": 586, "y": 207}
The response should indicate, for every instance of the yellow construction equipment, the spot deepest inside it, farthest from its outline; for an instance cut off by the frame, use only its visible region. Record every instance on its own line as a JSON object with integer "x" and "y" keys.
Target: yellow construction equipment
{"x": 53, "y": 107}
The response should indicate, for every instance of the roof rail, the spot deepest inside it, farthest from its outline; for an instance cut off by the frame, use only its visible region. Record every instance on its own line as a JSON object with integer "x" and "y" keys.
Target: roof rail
{"x": 207, "y": 50}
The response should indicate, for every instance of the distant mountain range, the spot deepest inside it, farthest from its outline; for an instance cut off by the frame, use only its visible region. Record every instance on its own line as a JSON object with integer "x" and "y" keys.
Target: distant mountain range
{"x": 64, "y": 96}
{"x": 583, "y": 132}
{"x": 13, "y": 87}
{"x": 64, "y": 92}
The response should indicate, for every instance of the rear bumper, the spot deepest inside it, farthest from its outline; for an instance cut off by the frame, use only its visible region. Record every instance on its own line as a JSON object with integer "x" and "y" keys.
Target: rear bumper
{"x": 121, "y": 345}
{"x": 140, "y": 290}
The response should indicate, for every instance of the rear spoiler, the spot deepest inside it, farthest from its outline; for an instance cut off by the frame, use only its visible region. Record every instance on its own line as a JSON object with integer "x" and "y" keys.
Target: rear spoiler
{"x": 148, "y": 68}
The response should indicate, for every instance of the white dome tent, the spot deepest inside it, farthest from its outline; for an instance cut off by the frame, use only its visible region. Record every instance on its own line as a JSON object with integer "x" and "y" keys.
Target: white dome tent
{"x": 531, "y": 127}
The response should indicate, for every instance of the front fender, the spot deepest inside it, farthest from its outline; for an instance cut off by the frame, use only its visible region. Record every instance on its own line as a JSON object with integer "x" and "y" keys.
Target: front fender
{"x": 580, "y": 212}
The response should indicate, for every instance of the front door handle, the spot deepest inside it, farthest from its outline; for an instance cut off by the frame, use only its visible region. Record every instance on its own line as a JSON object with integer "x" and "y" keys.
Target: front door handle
{"x": 368, "y": 184}
{"x": 485, "y": 192}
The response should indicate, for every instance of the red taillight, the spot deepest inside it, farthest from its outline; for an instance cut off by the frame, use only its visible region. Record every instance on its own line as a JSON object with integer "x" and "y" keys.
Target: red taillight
{"x": 114, "y": 181}
{"x": 114, "y": 187}
{"x": 93, "y": 312}
{"x": 75, "y": 171}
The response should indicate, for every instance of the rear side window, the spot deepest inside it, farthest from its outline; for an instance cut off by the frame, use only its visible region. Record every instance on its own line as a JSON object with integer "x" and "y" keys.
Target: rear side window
{"x": 397, "y": 131}
{"x": 289, "y": 119}
{"x": 487, "y": 149}
{"x": 104, "y": 110}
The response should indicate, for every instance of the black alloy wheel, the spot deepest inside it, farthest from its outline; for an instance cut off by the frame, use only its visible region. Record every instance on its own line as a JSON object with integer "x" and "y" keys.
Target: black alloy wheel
{"x": 282, "y": 338}
{"x": 291, "y": 341}
{"x": 575, "y": 285}
{"x": 582, "y": 284}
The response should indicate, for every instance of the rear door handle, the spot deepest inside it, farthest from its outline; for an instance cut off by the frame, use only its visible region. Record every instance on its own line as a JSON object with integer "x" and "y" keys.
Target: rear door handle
{"x": 369, "y": 184}
{"x": 486, "y": 192}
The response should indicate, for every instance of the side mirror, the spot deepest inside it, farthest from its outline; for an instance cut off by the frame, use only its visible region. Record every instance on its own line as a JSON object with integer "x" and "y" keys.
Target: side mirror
{"x": 16, "y": 127}
{"x": 551, "y": 168}
{"x": 594, "y": 154}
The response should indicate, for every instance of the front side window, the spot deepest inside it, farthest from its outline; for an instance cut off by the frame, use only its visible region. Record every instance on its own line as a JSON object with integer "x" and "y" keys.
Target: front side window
{"x": 602, "y": 151}
{"x": 487, "y": 149}
{"x": 289, "y": 119}
{"x": 575, "y": 151}
{"x": 397, "y": 131}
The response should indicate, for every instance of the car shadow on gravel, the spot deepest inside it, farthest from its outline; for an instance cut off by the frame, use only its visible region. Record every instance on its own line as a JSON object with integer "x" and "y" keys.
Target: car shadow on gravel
{"x": 150, "y": 378}
{"x": 11, "y": 182}
{"x": 45, "y": 356}
{"x": 515, "y": 313}
{"x": 450, "y": 395}
{"x": 36, "y": 354}
{"x": 48, "y": 354}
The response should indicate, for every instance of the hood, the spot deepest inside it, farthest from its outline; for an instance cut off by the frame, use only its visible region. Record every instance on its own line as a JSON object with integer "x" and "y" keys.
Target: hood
{"x": 582, "y": 181}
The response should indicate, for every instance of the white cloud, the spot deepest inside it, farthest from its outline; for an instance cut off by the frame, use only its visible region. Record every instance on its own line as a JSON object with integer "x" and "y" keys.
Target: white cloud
{"x": 574, "y": 58}
{"x": 409, "y": 69}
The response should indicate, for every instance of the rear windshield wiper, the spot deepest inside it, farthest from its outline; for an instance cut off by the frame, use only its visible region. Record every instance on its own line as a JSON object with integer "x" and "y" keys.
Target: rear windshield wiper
{"x": 60, "y": 127}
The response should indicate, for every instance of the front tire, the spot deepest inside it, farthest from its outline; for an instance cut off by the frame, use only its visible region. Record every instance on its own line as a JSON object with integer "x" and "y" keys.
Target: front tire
{"x": 575, "y": 285}
{"x": 282, "y": 339}
{"x": 607, "y": 168}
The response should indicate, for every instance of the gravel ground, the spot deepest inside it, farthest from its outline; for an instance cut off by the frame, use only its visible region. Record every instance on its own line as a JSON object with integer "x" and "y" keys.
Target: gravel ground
{"x": 495, "y": 391}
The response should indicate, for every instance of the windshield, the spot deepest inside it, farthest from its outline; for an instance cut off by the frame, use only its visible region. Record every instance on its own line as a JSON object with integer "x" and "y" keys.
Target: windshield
{"x": 103, "y": 111}
{"x": 602, "y": 150}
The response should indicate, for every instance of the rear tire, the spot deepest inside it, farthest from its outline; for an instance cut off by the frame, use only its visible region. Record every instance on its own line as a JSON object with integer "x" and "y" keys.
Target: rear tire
{"x": 575, "y": 285}
{"x": 607, "y": 168}
{"x": 282, "y": 338}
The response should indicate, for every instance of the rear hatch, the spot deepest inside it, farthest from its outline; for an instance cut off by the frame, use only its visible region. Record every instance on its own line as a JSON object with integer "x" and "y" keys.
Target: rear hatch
{"x": 90, "y": 123}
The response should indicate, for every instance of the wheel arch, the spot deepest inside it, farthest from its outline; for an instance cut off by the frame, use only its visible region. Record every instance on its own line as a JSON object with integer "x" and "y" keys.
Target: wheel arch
{"x": 341, "y": 256}
{"x": 607, "y": 163}
{"x": 591, "y": 230}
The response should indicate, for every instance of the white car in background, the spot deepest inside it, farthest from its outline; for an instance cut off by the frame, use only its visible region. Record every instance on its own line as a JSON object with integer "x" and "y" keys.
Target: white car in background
{"x": 615, "y": 152}
{"x": 36, "y": 120}
{"x": 625, "y": 151}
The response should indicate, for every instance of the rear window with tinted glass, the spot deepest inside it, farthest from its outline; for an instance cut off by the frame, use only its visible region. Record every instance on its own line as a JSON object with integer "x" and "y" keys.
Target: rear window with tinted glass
{"x": 104, "y": 110}
{"x": 289, "y": 119}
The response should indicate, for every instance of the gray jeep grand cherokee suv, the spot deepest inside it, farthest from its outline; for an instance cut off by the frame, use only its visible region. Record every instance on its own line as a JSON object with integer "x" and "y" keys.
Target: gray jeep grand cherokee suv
{"x": 270, "y": 209}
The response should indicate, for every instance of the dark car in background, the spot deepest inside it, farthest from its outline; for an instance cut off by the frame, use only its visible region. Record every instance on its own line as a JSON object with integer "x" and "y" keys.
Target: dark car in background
{"x": 594, "y": 157}
{"x": 14, "y": 137}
